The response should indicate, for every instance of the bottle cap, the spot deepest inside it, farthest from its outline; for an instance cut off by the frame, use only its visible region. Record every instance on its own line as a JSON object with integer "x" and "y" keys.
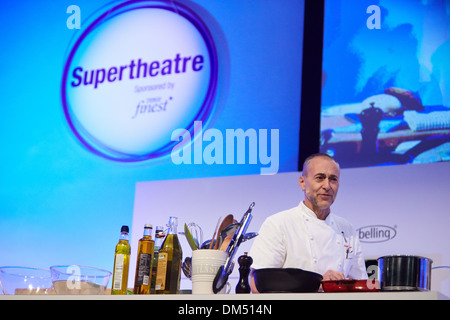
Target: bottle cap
{"x": 124, "y": 229}
{"x": 149, "y": 226}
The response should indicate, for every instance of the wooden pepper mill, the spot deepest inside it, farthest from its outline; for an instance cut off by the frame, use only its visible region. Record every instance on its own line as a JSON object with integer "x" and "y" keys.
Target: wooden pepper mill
{"x": 245, "y": 261}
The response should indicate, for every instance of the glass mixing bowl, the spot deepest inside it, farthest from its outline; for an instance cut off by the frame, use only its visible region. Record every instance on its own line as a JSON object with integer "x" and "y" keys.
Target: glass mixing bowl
{"x": 25, "y": 280}
{"x": 76, "y": 279}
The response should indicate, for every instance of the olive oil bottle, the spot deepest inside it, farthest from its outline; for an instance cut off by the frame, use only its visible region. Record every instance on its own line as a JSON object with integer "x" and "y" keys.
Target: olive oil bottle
{"x": 159, "y": 238}
{"x": 170, "y": 255}
{"x": 121, "y": 263}
{"x": 144, "y": 262}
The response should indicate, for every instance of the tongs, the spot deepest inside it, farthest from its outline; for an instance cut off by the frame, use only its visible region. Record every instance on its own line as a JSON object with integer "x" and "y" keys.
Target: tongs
{"x": 224, "y": 271}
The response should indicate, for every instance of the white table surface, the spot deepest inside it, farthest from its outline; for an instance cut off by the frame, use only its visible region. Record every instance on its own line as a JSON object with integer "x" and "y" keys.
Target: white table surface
{"x": 415, "y": 295}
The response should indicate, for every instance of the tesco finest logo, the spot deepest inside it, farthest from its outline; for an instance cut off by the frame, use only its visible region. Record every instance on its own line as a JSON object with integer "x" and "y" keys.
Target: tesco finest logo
{"x": 376, "y": 233}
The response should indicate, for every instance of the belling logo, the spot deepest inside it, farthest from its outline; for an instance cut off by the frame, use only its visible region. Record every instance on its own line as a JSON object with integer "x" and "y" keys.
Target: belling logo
{"x": 376, "y": 233}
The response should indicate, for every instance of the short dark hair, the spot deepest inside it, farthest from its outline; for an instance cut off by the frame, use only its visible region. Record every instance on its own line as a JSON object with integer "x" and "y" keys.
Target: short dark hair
{"x": 315, "y": 155}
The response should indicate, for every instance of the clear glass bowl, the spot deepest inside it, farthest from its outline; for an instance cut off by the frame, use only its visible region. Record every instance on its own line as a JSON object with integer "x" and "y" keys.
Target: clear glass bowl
{"x": 25, "y": 280}
{"x": 76, "y": 279}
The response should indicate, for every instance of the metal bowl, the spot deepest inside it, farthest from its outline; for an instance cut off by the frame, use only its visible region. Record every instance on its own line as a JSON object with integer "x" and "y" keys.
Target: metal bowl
{"x": 292, "y": 280}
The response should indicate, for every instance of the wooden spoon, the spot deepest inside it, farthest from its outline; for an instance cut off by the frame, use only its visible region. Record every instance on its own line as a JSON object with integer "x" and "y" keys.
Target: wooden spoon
{"x": 226, "y": 221}
{"x": 214, "y": 234}
{"x": 226, "y": 242}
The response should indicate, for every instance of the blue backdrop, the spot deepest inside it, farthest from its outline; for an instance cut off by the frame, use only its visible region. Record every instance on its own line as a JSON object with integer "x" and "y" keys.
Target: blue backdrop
{"x": 60, "y": 203}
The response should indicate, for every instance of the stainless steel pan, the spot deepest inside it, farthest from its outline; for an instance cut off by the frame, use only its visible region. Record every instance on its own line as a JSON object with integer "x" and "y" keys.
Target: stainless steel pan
{"x": 404, "y": 273}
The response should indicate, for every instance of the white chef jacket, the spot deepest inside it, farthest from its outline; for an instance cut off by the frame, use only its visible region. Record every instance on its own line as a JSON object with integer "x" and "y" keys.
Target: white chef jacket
{"x": 296, "y": 238}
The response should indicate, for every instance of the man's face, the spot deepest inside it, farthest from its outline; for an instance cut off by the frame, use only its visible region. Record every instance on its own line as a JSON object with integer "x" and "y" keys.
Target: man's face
{"x": 320, "y": 182}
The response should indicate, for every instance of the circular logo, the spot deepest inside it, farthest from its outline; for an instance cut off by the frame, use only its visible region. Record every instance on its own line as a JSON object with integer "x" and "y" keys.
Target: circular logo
{"x": 135, "y": 74}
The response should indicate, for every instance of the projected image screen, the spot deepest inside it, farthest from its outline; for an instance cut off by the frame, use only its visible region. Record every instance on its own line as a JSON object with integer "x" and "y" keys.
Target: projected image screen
{"x": 97, "y": 96}
{"x": 386, "y": 92}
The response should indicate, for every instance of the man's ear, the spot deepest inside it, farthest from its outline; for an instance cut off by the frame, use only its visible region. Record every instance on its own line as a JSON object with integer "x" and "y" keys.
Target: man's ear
{"x": 301, "y": 182}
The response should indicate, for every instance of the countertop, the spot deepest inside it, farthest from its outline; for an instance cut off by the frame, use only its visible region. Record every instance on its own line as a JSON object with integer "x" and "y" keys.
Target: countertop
{"x": 414, "y": 295}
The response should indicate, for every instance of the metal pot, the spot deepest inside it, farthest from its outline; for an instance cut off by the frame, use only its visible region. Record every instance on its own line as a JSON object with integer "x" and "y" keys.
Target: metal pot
{"x": 404, "y": 273}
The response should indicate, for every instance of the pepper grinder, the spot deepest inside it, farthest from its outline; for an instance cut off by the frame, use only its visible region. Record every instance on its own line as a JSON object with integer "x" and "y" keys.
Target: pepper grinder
{"x": 245, "y": 261}
{"x": 370, "y": 120}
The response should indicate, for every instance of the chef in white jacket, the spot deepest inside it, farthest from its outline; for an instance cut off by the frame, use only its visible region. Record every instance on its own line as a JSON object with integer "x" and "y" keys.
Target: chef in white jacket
{"x": 309, "y": 236}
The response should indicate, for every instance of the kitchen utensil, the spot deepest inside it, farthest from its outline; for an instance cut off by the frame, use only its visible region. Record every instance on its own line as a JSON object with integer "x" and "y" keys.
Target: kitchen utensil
{"x": 189, "y": 238}
{"x": 196, "y": 232}
{"x": 276, "y": 280}
{"x": 225, "y": 222}
{"x": 348, "y": 285}
{"x": 249, "y": 236}
{"x": 228, "y": 230}
{"x": 25, "y": 280}
{"x": 186, "y": 266}
{"x": 206, "y": 244}
{"x": 404, "y": 273}
{"x": 225, "y": 243}
{"x": 224, "y": 271}
{"x": 76, "y": 279}
{"x": 245, "y": 262}
{"x": 223, "y": 246}
{"x": 214, "y": 234}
